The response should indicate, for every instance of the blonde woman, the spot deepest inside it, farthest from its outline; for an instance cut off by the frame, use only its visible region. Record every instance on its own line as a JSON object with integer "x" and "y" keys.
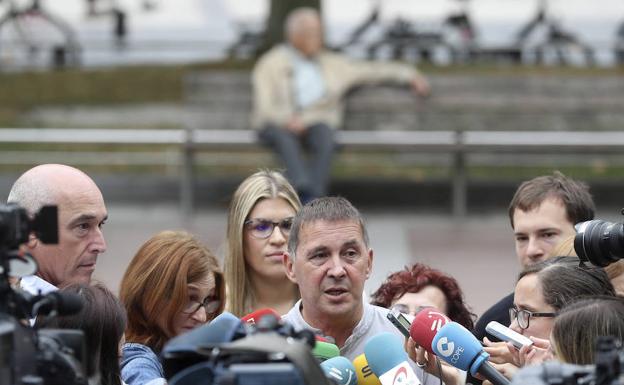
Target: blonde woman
{"x": 259, "y": 222}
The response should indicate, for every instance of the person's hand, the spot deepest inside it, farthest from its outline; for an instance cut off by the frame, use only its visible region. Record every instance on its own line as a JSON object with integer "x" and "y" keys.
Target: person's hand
{"x": 295, "y": 125}
{"x": 507, "y": 370}
{"x": 535, "y": 354}
{"x": 420, "y": 85}
{"x": 498, "y": 351}
{"x": 428, "y": 362}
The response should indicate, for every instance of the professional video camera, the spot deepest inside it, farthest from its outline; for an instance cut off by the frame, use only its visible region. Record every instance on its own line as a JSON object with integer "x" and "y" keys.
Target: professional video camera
{"x": 599, "y": 242}
{"x": 27, "y": 356}
{"x": 606, "y": 371}
{"x": 228, "y": 351}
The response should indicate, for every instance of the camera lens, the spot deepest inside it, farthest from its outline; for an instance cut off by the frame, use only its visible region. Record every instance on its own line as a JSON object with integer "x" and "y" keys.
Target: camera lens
{"x": 599, "y": 242}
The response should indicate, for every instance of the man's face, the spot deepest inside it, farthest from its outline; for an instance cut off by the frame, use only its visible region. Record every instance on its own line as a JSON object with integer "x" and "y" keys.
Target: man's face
{"x": 308, "y": 38}
{"x": 331, "y": 265}
{"x": 537, "y": 232}
{"x": 81, "y": 216}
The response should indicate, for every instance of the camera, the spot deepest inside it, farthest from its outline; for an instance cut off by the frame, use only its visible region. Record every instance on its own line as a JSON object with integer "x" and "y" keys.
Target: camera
{"x": 227, "y": 351}
{"x": 16, "y": 225}
{"x": 29, "y": 356}
{"x": 599, "y": 242}
{"x": 607, "y": 369}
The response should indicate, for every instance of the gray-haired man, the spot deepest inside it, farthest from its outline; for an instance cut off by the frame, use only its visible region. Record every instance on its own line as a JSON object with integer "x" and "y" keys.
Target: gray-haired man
{"x": 329, "y": 257}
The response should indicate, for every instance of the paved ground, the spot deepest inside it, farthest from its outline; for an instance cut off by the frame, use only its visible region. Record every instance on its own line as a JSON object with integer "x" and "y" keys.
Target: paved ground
{"x": 478, "y": 251}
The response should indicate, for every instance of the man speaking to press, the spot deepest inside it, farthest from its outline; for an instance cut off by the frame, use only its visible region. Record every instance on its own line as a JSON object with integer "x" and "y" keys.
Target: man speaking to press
{"x": 329, "y": 257}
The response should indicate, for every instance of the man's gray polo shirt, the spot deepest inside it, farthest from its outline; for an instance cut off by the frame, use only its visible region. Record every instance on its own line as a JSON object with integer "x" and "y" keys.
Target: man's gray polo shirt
{"x": 374, "y": 321}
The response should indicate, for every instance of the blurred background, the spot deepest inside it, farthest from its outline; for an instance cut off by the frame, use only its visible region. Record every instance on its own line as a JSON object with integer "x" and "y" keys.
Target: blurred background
{"x": 494, "y": 65}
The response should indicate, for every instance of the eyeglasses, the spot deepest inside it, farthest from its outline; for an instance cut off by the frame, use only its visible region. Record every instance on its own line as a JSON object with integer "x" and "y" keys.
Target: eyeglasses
{"x": 523, "y": 316}
{"x": 263, "y": 228}
{"x": 406, "y": 309}
{"x": 210, "y": 305}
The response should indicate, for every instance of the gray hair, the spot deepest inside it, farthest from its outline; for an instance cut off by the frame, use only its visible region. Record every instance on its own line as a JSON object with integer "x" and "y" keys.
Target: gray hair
{"x": 294, "y": 18}
{"x": 31, "y": 193}
{"x": 330, "y": 209}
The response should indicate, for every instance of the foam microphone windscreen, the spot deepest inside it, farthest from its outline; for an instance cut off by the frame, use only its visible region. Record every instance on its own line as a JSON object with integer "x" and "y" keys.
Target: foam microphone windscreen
{"x": 425, "y": 326}
{"x": 364, "y": 373}
{"x": 224, "y": 328}
{"x": 340, "y": 370}
{"x": 388, "y": 360}
{"x": 324, "y": 351}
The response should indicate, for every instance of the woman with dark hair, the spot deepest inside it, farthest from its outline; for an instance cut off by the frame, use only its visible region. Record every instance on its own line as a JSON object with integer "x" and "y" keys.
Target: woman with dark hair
{"x": 420, "y": 285}
{"x": 103, "y": 321}
{"x": 172, "y": 285}
{"x": 542, "y": 290}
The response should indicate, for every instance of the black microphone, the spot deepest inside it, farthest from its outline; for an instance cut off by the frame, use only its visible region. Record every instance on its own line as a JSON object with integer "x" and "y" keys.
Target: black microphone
{"x": 61, "y": 303}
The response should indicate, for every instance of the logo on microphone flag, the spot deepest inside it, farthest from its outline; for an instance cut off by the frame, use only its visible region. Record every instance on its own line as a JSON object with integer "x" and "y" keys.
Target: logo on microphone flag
{"x": 402, "y": 374}
{"x": 445, "y": 347}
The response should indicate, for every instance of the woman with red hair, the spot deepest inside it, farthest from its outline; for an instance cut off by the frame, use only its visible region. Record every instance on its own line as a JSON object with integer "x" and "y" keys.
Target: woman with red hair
{"x": 420, "y": 285}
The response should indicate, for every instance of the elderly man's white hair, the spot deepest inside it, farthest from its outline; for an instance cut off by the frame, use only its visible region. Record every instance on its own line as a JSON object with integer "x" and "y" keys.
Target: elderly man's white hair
{"x": 296, "y": 19}
{"x": 33, "y": 189}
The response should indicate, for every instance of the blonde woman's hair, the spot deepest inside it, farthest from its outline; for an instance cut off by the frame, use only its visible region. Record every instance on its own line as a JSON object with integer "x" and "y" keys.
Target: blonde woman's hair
{"x": 264, "y": 184}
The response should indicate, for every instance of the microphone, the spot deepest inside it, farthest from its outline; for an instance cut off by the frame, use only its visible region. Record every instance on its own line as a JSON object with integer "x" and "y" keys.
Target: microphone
{"x": 226, "y": 327}
{"x": 341, "y": 370}
{"x": 62, "y": 303}
{"x": 324, "y": 351}
{"x": 365, "y": 375}
{"x": 254, "y": 317}
{"x": 458, "y": 347}
{"x": 425, "y": 326}
{"x": 388, "y": 360}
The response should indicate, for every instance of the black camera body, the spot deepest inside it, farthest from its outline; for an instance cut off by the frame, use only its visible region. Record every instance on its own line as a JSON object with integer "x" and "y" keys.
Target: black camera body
{"x": 30, "y": 356}
{"x": 269, "y": 352}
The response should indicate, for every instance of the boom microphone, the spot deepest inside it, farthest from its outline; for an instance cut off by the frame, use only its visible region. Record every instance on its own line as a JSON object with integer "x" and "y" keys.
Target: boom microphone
{"x": 340, "y": 370}
{"x": 458, "y": 347}
{"x": 365, "y": 375}
{"x": 387, "y": 359}
{"x": 425, "y": 326}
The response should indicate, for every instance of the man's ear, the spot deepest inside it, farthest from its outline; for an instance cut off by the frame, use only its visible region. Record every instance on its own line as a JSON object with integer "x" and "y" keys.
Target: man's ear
{"x": 289, "y": 267}
{"x": 369, "y": 268}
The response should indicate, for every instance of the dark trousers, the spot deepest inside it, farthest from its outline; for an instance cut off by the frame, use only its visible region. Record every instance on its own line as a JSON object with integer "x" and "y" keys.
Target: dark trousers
{"x": 310, "y": 177}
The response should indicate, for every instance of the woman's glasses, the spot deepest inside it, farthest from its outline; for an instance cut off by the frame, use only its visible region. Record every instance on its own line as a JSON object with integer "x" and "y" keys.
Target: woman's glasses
{"x": 522, "y": 317}
{"x": 210, "y": 305}
{"x": 263, "y": 228}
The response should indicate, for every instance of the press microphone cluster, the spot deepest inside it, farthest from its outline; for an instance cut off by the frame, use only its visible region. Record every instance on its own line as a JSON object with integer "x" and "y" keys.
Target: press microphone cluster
{"x": 454, "y": 344}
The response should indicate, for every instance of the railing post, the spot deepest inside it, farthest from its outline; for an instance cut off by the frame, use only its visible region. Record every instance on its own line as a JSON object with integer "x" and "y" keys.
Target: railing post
{"x": 460, "y": 188}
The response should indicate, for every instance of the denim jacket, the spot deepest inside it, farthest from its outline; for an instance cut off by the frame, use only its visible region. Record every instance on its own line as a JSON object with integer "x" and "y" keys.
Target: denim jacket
{"x": 140, "y": 365}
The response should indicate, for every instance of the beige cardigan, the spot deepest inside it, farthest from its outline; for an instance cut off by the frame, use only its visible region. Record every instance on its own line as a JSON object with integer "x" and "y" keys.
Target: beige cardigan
{"x": 273, "y": 94}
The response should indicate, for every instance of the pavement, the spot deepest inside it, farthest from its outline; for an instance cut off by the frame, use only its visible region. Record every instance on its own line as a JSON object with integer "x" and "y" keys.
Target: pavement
{"x": 477, "y": 250}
